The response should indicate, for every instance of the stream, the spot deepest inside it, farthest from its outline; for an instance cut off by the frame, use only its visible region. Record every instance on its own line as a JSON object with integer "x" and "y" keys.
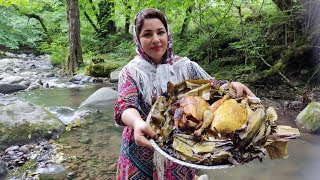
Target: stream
{"x": 91, "y": 150}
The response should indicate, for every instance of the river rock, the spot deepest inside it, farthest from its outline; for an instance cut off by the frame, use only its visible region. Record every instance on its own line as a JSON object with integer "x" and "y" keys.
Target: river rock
{"x": 27, "y": 74}
{"x": 114, "y": 76}
{"x": 49, "y": 75}
{"x": 12, "y": 79}
{"x": 81, "y": 79}
{"x": 11, "y": 88}
{"x": 8, "y": 69}
{"x": 3, "y": 168}
{"x": 25, "y": 149}
{"x": 23, "y": 121}
{"x": 309, "y": 118}
{"x": 100, "y": 98}
{"x": 51, "y": 169}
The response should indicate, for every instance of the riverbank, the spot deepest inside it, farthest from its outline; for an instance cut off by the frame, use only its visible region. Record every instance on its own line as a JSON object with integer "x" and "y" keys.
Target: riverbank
{"x": 91, "y": 148}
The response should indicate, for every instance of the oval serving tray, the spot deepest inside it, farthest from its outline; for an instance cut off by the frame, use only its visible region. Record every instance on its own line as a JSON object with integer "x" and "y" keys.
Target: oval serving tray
{"x": 196, "y": 166}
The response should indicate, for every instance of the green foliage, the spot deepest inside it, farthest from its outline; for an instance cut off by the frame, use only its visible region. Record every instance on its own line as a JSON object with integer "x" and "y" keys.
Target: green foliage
{"x": 57, "y": 49}
{"x": 228, "y": 38}
{"x": 16, "y": 31}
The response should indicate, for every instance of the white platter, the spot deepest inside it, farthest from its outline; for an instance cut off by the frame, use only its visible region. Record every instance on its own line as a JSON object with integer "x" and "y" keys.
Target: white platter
{"x": 196, "y": 166}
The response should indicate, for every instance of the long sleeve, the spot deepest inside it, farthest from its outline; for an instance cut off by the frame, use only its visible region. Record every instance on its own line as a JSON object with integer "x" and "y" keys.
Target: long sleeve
{"x": 128, "y": 96}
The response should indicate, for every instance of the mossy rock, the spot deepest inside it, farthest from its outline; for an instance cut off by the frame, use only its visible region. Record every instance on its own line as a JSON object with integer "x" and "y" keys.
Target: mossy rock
{"x": 2, "y": 54}
{"x": 22, "y": 122}
{"x": 309, "y": 118}
{"x": 27, "y": 132}
{"x": 101, "y": 69}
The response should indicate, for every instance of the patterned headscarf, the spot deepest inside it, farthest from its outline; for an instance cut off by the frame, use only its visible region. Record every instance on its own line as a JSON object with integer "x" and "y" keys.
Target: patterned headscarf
{"x": 169, "y": 56}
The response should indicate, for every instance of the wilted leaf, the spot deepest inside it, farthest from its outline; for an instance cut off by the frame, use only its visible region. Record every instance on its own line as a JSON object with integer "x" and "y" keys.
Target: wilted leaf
{"x": 255, "y": 121}
{"x": 239, "y": 131}
{"x": 271, "y": 114}
{"x": 277, "y": 149}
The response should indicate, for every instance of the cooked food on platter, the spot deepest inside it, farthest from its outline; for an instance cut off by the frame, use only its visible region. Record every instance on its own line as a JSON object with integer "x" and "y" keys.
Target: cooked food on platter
{"x": 199, "y": 123}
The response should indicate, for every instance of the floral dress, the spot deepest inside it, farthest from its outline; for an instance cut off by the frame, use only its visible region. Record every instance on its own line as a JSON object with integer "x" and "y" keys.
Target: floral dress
{"x": 136, "y": 162}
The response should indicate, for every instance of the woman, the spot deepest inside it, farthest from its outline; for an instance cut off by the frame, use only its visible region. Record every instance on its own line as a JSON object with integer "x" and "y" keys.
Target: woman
{"x": 142, "y": 79}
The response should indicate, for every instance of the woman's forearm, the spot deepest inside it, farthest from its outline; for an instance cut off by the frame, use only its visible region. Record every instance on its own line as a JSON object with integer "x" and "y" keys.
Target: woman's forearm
{"x": 131, "y": 117}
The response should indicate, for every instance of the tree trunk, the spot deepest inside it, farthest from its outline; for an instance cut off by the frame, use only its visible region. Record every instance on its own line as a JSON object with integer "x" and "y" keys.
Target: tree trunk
{"x": 283, "y": 4}
{"x": 186, "y": 21}
{"x": 75, "y": 51}
{"x": 107, "y": 25}
{"x": 127, "y": 25}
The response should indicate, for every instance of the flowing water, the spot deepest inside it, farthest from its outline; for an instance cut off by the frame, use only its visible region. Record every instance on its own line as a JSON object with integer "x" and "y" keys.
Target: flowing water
{"x": 303, "y": 163}
{"x": 91, "y": 150}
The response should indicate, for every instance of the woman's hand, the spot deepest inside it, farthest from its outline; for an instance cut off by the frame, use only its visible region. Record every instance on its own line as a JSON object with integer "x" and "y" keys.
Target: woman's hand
{"x": 141, "y": 130}
{"x": 240, "y": 88}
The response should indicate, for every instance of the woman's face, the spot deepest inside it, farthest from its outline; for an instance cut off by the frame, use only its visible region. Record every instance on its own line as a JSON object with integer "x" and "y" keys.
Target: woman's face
{"x": 154, "y": 39}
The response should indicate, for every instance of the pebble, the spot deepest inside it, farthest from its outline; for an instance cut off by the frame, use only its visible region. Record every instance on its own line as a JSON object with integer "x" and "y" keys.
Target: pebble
{"x": 71, "y": 175}
{"x": 85, "y": 140}
{"x": 74, "y": 166}
{"x": 43, "y": 153}
{"x": 112, "y": 167}
{"x": 84, "y": 176}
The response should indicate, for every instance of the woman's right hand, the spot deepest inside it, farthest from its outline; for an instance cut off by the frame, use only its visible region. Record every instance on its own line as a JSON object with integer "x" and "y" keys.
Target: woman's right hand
{"x": 141, "y": 130}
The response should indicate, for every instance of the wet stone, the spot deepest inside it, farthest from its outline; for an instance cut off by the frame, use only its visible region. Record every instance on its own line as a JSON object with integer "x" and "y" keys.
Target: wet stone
{"x": 74, "y": 166}
{"x": 3, "y": 168}
{"x": 84, "y": 176}
{"x": 71, "y": 175}
{"x": 14, "y": 157}
{"x": 112, "y": 167}
{"x": 25, "y": 149}
{"x": 52, "y": 169}
{"x": 11, "y": 153}
{"x": 85, "y": 140}
{"x": 12, "y": 148}
{"x": 20, "y": 163}
{"x": 47, "y": 147}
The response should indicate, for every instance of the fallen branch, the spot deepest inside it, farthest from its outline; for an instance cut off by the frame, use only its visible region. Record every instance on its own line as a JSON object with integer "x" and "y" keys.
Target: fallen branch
{"x": 284, "y": 78}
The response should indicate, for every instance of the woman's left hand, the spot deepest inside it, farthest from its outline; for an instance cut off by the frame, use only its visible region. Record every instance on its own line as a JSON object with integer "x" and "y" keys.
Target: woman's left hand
{"x": 241, "y": 89}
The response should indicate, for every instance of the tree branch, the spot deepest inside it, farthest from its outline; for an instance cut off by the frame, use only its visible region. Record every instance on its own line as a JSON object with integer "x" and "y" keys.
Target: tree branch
{"x": 91, "y": 22}
{"x": 37, "y": 17}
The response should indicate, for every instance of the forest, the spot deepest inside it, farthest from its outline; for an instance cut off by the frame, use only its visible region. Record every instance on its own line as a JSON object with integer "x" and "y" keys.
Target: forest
{"x": 57, "y": 95}
{"x": 272, "y": 45}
